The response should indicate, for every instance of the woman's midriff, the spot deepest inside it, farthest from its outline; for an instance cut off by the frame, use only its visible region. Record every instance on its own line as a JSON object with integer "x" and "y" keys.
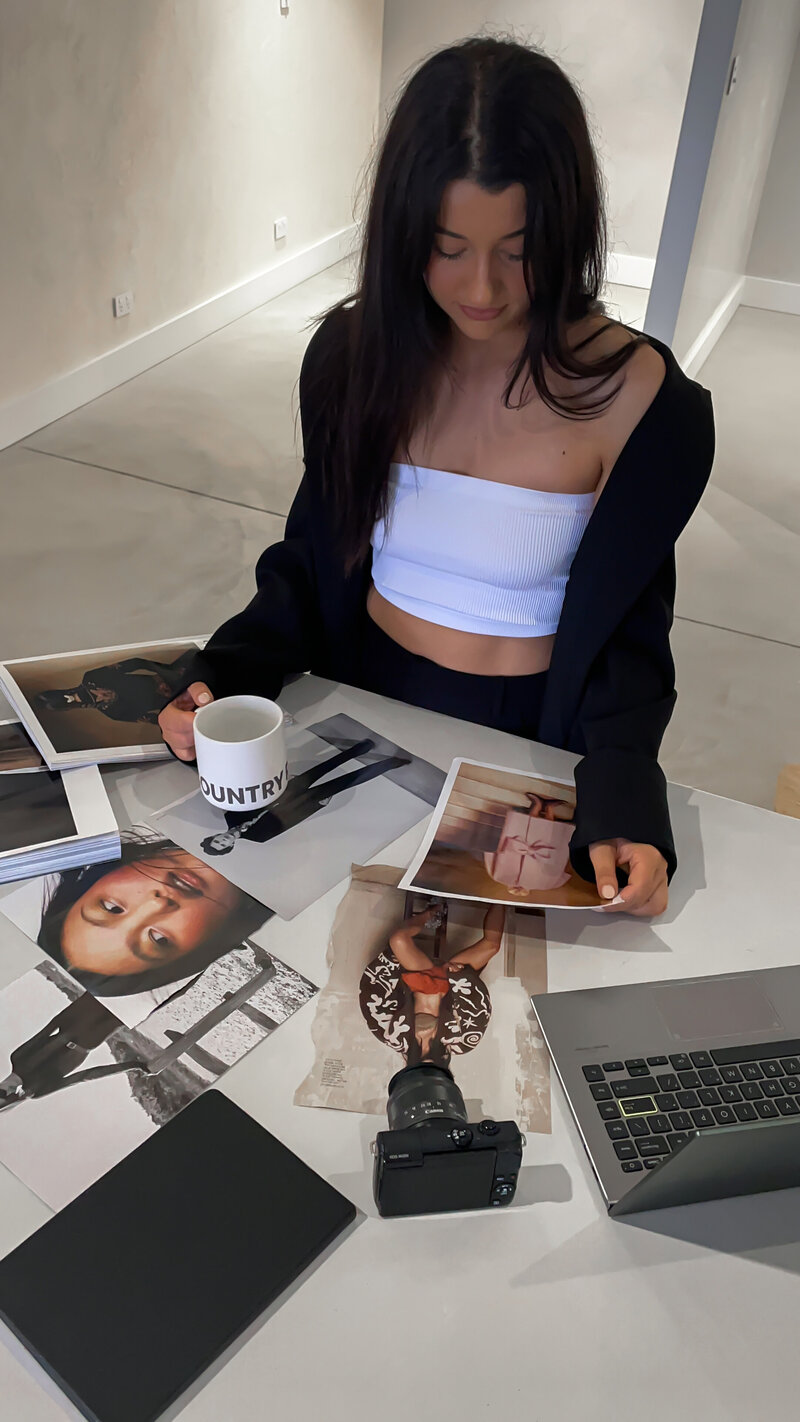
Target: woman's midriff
{"x": 460, "y": 651}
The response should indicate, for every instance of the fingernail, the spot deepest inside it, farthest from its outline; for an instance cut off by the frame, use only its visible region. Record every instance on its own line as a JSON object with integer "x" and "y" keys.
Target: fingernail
{"x": 203, "y": 698}
{"x": 618, "y": 900}
{"x": 607, "y": 892}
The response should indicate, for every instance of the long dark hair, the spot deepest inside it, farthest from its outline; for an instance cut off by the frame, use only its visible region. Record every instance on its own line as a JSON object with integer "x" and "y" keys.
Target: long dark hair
{"x": 499, "y": 113}
{"x": 137, "y": 848}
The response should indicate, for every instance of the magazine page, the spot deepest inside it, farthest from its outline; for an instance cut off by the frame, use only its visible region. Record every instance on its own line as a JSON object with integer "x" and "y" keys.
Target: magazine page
{"x": 42, "y": 809}
{"x": 17, "y": 750}
{"x": 100, "y": 705}
{"x": 501, "y": 836}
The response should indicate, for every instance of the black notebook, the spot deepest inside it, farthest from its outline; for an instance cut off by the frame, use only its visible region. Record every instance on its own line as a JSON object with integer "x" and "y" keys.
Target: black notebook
{"x": 133, "y": 1289}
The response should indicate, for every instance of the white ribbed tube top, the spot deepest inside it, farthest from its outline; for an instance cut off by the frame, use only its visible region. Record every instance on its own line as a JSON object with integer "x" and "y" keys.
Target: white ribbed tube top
{"x": 475, "y": 555}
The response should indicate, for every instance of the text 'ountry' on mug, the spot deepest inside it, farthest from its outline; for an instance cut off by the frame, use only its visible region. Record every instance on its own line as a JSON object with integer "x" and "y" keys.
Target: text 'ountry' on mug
{"x": 241, "y": 752}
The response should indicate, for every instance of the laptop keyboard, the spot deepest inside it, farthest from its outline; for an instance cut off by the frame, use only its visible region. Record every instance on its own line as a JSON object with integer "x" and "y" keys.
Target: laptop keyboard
{"x": 650, "y": 1105}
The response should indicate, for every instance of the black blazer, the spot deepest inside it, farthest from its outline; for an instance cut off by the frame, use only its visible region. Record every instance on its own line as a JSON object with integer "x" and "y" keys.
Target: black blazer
{"x": 611, "y": 685}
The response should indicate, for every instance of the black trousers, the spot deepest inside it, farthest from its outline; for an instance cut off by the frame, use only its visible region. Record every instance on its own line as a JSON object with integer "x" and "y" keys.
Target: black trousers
{"x": 507, "y": 703}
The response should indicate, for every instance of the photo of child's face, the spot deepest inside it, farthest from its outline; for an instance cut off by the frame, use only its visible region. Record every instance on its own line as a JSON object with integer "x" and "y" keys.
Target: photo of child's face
{"x": 143, "y": 915}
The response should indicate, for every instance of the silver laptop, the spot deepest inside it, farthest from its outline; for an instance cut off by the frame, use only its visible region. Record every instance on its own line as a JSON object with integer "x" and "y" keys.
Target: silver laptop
{"x": 682, "y": 1091}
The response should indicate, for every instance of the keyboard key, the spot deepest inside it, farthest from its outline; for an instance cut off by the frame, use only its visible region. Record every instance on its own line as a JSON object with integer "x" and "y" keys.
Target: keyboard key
{"x": 746, "y": 1112}
{"x": 681, "y": 1120}
{"x": 601, "y": 1091}
{"x": 643, "y": 1085}
{"x": 791, "y": 1084}
{"x": 689, "y": 1080}
{"x": 730, "y": 1074}
{"x": 703, "y": 1117}
{"x": 639, "y": 1070}
{"x": 668, "y": 1081}
{"x": 662, "y": 1061}
{"x": 681, "y": 1062}
{"x": 612, "y": 1066}
{"x": 593, "y": 1073}
{"x": 609, "y": 1110}
{"x": 651, "y": 1164}
{"x": 788, "y": 1106}
{"x": 710, "y": 1076}
{"x": 639, "y": 1126}
{"x": 652, "y": 1145}
{"x": 767, "y": 1110}
{"x": 752, "y": 1072}
{"x": 724, "y": 1115}
{"x": 626, "y": 1150}
{"x": 659, "y": 1125}
{"x": 617, "y": 1130}
{"x": 635, "y": 1064}
{"x": 708, "y": 1096}
{"x": 772, "y": 1087}
{"x": 687, "y": 1099}
{"x": 666, "y": 1101}
{"x": 791, "y": 1065}
{"x": 638, "y": 1106}
{"x": 724, "y": 1056}
{"x": 771, "y": 1068}
{"x": 730, "y": 1094}
{"x": 701, "y": 1059}
{"x": 678, "y": 1139}
{"x": 751, "y": 1091}
{"x": 630, "y": 1165}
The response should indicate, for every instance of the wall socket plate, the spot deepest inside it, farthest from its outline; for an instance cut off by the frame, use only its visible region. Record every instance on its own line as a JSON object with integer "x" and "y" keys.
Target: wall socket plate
{"x": 280, "y": 228}
{"x": 123, "y": 304}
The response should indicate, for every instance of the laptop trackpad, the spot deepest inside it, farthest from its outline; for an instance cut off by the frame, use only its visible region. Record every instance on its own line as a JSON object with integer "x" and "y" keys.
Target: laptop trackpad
{"x": 724, "y": 1007}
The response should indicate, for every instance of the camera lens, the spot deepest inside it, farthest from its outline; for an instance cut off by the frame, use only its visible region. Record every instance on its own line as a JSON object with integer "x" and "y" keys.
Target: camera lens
{"x": 423, "y": 1093}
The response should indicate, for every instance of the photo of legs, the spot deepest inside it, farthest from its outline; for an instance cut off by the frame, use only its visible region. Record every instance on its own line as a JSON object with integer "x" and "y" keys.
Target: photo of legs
{"x": 413, "y": 979}
{"x": 501, "y": 836}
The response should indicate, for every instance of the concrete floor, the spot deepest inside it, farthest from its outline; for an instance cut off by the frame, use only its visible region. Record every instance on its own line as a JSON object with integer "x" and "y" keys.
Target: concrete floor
{"x": 141, "y": 515}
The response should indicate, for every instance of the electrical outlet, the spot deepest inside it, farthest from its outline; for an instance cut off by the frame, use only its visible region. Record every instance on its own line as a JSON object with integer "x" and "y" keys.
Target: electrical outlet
{"x": 284, "y": 7}
{"x": 123, "y": 304}
{"x": 281, "y": 227}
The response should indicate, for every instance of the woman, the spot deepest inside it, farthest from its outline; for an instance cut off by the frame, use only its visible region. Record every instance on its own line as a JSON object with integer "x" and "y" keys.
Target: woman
{"x": 427, "y": 1009}
{"x": 132, "y": 690}
{"x": 156, "y": 919}
{"x": 495, "y": 474}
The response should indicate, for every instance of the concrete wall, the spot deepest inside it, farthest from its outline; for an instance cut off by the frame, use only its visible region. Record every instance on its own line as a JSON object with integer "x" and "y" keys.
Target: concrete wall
{"x": 150, "y": 144}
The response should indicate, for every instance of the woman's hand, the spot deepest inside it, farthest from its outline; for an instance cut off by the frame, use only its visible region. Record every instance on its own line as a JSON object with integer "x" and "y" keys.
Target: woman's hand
{"x": 647, "y": 892}
{"x": 177, "y": 719}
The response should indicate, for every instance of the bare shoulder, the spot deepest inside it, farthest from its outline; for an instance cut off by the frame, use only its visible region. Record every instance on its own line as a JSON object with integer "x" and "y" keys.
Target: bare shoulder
{"x": 641, "y": 376}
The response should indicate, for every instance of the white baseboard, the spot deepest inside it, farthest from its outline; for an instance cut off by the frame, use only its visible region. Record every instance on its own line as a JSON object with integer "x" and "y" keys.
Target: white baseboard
{"x": 626, "y": 270}
{"x": 772, "y": 295}
{"x": 704, "y": 343}
{"x": 20, "y": 418}
{"x": 23, "y": 416}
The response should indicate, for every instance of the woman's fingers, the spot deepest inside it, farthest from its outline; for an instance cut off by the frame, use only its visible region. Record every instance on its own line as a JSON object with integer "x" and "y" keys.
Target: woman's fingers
{"x": 177, "y": 719}
{"x": 604, "y": 862}
{"x": 646, "y": 893}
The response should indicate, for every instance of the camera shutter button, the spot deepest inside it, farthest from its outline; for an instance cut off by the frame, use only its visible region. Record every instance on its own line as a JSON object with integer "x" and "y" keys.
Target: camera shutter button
{"x": 488, "y": 1128}
{"x": 461, "y": 1136}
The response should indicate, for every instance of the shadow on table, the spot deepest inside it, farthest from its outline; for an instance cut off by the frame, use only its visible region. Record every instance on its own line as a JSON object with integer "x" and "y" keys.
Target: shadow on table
{"x": 537, "y": 1185}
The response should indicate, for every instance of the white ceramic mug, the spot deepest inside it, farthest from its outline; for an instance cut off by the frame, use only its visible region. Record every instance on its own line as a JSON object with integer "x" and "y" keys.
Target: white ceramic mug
{"x": 240, "y": 746}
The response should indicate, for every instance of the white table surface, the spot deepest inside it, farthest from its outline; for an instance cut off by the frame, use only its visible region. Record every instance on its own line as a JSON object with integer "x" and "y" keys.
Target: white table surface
{"x": 548, "y": 1310}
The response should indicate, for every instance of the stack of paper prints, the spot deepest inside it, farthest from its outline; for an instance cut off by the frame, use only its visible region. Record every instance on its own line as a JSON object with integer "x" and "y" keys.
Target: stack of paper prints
{"x": 99, "y": 706}
{"x": 51, "y": 823}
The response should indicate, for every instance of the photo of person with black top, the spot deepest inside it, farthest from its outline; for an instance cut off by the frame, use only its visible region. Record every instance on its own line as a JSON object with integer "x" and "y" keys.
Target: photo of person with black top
{"x": 96, "y": 701}
{"x": 496, "y": 473}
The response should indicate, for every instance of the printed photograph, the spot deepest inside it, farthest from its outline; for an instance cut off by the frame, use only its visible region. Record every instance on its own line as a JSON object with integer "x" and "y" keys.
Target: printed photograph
{"x": 101, "y": 702}
{"x": 414, "y": 978}
{"x": 134, "y": 930}
{"x": 17, "y": 751}
{"x": 501, "y": 836}
{"x": 350, "y": 792}
{"x": 78, "y": 1091}
{"x": 34, "y": 810}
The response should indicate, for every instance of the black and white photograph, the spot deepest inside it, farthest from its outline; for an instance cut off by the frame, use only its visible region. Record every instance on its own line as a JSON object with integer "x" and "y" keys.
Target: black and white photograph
{"x": 78, "y": 1091}
{"x": 17, "y": 750}
{"x": 100, "y": 705}
{"x": 137, "y": 929}
{"x": 350, "y": 792}
{"x": 501, "y": 836}
{"x": 49, "y": 821}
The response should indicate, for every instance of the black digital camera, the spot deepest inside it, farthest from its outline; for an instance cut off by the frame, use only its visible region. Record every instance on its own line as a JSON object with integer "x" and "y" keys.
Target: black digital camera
{"x": 432, "y": 1160}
